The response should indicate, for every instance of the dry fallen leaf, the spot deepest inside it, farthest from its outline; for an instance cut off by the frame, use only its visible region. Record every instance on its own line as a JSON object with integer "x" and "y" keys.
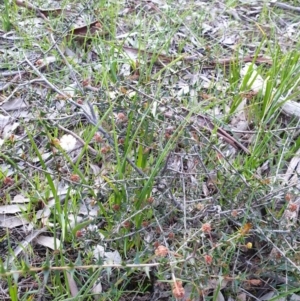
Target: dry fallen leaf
{"x": 72, "y": 284}
{"x": 112, "y": 257}
{"x": 97, "y": 288}
{"x": 86, "y": 32}
{"x": 49, "y": 242}
{"x": 11, "y": 221}
{"x": 20, "y": 199}
{"x": 11, "y": 209}
{"x": 255, "y": 82}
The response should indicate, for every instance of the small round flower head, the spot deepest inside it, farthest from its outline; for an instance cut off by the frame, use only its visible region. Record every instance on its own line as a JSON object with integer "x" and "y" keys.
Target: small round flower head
{"x": 161, "y": 251}
{"x": 67, "y": 142}
{"x": 75, "y": 178}
{"x": 208, "y": 259}
{"x": 178, "y": 289}
{"x": 206, "y": 228}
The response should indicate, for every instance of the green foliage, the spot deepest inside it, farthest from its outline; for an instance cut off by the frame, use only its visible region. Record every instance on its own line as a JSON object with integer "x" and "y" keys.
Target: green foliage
{"x": 6, "y": 17}
{"x": 159, "y": 157}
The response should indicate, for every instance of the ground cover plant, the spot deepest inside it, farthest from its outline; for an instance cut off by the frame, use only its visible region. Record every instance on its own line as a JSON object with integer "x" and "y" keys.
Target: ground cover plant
{"x": 149, "y": 150}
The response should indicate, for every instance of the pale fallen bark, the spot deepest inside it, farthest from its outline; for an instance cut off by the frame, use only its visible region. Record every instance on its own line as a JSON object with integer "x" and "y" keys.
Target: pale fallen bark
{"x": 291, "y": 108}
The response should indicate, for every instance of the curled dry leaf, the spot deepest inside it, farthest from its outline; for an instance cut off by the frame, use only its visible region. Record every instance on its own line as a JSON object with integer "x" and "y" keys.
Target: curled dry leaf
{"x": 214, "y": 283}
{"x": 86, "y": 32}
{"x": 99, "y": 252}
{"x": 109, "y": 257}
{"x": 69, "y": 91}
{"x": 113, "y": 257}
